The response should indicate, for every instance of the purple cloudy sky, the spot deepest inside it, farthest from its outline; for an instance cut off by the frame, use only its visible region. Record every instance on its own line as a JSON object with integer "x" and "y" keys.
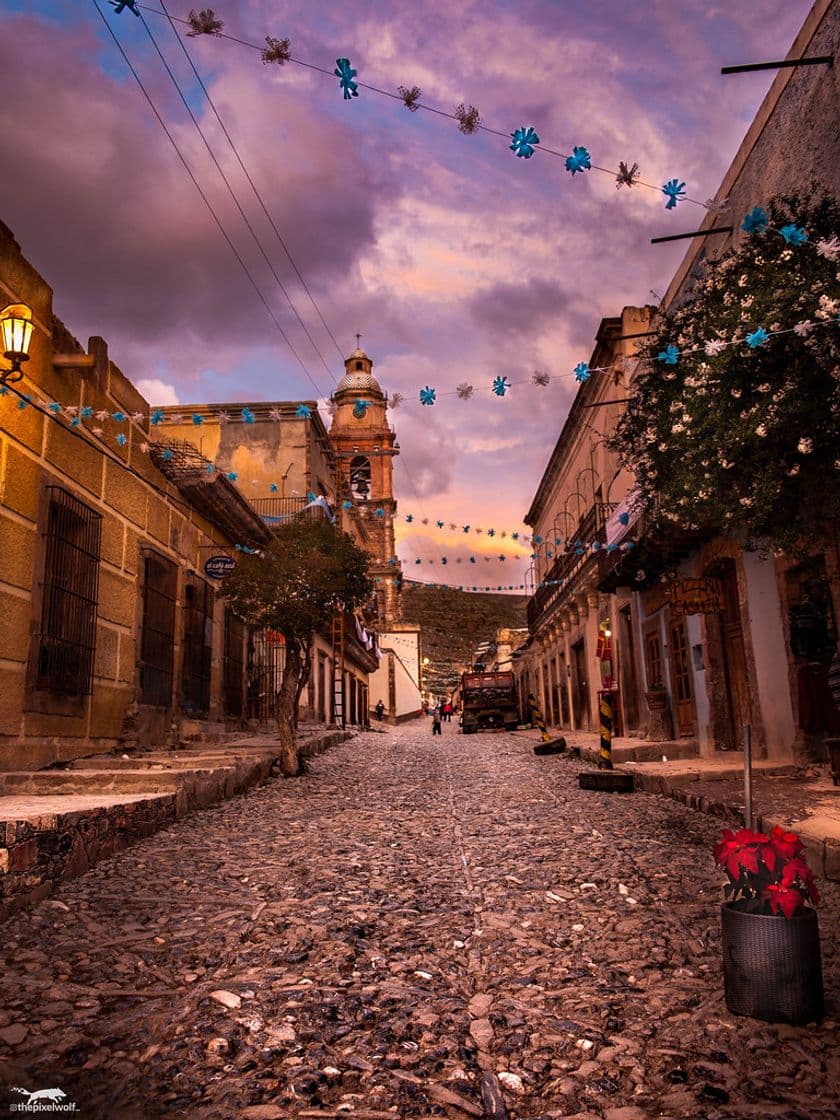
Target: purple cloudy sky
{"x": 456, "y": 260}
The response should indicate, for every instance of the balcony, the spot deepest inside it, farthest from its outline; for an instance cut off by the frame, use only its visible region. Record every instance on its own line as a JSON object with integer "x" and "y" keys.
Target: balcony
{"x": 277, "y": 511}
{"x": 569, "y": 566}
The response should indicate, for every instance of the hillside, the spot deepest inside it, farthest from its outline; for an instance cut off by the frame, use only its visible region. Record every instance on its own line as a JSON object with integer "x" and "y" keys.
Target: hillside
{"x": 451, "y": 620}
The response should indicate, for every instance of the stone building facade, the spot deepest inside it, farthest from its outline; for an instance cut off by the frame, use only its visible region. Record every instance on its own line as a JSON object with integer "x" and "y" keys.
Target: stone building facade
{"x": 110, "y": 631}
{"x": 746, "y": 661}
{"x": 576, "y": 515}
{"x": 283, "y": 458}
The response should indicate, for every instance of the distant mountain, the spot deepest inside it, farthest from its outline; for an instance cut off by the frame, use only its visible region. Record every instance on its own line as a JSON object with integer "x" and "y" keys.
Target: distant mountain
{"x": 450, "y": 620}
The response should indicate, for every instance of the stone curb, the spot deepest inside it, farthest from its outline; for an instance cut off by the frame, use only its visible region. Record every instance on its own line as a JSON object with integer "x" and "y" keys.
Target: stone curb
{"x": 39, "y": 851}
{"x": 823, "y": 851}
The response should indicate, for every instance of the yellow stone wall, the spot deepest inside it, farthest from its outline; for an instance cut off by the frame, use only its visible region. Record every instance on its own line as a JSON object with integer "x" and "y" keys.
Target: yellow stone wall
{"x": 139, "y": 508}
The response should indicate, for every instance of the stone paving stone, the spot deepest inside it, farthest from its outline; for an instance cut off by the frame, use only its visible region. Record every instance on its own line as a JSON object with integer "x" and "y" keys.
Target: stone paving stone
{"x": 412, "y": 922}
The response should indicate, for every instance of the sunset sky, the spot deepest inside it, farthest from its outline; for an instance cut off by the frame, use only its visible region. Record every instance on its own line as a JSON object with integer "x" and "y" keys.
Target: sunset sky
{"x": 456, "y": 260}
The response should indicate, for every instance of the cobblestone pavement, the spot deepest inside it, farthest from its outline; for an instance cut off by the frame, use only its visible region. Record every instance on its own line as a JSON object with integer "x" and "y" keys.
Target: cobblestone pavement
{"x": 382, "y": 933}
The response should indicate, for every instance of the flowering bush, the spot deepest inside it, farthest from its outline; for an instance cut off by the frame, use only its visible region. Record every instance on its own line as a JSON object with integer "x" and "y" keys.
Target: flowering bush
{"x": 735, "y": 408}
{"x": 767, "y": 874}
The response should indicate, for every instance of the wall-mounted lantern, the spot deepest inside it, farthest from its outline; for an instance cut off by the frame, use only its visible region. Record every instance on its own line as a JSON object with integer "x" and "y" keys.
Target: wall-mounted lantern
{"x": 16, "y": 326}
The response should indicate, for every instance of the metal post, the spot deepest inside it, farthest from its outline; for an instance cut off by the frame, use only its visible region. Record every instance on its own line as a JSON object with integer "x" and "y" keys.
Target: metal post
{"x": 605, "y": 757}
{"x": 748, "y": 817}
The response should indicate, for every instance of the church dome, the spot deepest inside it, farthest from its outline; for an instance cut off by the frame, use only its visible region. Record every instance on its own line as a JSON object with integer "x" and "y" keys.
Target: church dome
{"x": 358, "y": 376}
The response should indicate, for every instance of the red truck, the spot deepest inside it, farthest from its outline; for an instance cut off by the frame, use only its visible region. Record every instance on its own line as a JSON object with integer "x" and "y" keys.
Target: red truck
{"x": 488, "y": 702}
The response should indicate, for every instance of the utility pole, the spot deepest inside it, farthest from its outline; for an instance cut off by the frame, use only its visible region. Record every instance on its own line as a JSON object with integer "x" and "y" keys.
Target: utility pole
{"x": 469, "y": 638}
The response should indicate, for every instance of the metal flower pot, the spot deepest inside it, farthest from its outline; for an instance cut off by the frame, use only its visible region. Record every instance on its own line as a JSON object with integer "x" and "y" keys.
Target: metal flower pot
{"x": 771, "y": 965}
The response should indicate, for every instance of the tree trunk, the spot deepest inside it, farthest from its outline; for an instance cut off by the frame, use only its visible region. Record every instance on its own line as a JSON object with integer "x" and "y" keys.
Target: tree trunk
{"x": 303, "y": 680}
{"x": 286, "y": 711}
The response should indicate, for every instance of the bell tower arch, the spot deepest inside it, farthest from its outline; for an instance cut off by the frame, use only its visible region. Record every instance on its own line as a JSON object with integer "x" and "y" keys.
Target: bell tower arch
{"x": 367, "y": 446}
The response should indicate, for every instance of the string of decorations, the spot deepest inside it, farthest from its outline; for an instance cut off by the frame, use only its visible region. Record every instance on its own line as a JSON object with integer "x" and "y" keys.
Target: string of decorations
{"x": 523, "y": 141}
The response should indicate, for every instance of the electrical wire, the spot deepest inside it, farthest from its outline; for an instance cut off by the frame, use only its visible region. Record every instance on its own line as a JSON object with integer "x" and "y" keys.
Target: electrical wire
{"x": 426, "y": 108}
{"x": 206, "y": 201}
{"x": 253, "y": 186}
{"x": 224, "y": 177}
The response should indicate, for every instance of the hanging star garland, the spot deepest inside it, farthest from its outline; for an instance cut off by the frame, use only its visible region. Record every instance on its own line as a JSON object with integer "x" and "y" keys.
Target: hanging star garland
{"x": 524, "y": 141}
{"x": 345, "y": 74}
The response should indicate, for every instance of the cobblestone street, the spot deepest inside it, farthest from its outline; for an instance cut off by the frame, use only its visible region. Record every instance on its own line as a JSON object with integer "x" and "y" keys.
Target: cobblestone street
{"x": 371, "y": 938}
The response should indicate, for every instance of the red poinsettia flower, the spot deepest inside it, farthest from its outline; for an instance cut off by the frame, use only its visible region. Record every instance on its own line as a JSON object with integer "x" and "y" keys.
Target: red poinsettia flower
{"x": 786, "y": 844}
{"x": 799, "y": 870}
{"x": 738, "y": 850}
{"x": 786, "y": 900}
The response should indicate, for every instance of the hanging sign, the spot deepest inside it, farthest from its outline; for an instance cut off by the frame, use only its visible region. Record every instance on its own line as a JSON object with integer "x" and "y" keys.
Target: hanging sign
{"x": 217, "y": 567}
{"x": 695, "y": 596}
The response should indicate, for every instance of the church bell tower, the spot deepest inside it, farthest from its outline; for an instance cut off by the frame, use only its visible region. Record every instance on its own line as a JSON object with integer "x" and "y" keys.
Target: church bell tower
{"x": 367, "y": 445}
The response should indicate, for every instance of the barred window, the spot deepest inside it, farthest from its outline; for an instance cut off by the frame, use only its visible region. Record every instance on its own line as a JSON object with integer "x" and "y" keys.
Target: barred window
{"x": 157, "y": 635}
{"x": 67, "y": 637}
{"x": 198, "y": 646}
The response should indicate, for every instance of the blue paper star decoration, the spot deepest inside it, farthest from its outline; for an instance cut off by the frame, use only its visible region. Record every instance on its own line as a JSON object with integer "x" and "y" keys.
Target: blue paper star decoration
{"x": 500, "y": 386}
{"x": 675, "y": 190}
{"x": 157, "y": 416}
{"x": 303, "y": 412}
{"x": 793, "y": 235}
{"x": 360, "y": 409}
{"x": 524, "y": 140}
{"x": 579, "y": 160}
{"x": 345, "y": 74}
{"x": 427, "y": 395}
{"x": 248, "y": 416}
{"x": 756, "y": 221}
{"x": 197, "y": 419}
{"x": 118, "y": 6}
{"x": 669, "y": 355}
{"x": 757, "y": 338}
{"x": 581, "y": 371}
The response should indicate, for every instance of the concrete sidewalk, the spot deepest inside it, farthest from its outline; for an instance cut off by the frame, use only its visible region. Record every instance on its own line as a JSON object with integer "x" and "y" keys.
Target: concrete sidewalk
{"x": 802, "y": 800}
{"x": 55, "y": 824}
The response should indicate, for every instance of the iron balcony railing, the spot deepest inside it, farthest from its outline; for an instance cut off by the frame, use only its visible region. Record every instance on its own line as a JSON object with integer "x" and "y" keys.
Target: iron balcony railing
{"x": 557, "y": 583}
{"x": 277, "y": 511}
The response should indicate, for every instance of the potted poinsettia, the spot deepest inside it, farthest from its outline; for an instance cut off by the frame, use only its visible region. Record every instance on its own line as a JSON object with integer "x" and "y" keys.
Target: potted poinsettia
{"x": 771, "y": 945}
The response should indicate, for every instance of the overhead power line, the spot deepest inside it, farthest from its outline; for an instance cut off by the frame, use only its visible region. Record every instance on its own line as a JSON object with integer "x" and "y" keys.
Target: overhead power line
{"x": 206, "y": 201}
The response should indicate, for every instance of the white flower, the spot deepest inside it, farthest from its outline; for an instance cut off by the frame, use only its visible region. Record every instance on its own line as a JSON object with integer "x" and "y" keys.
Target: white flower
{"x": 794, "y": 471}
{"x": 787, "y": 255}
{"x": 828, "y": 307}
{"x": 746, "y": 501}
{"x": 837, "y": 464}
{"x": 735, "y": 392}
{"x": 761, "y": 430}
{"x": 714, "y": 346}
{"x": 804, "y": 328}
{"x": 763, "y": 388}
{"x": 677, "y": 428}
{"x": 742, "y": 280}
{"x": 748, "y": 302}
{"x": 805, "y": 446}
{"x": 829, "y": 248}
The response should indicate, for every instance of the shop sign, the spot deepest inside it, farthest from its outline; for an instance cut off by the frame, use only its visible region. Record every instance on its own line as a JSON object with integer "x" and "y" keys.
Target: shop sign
{"x": 217, "y": 567}
{"x": 695, "y": 596}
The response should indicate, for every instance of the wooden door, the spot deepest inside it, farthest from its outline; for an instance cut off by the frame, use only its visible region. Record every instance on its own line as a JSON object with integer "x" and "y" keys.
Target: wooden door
{"x": 580, "y": 693}
{"x": 681, "y": 678}
{"x": 627, "y": 669}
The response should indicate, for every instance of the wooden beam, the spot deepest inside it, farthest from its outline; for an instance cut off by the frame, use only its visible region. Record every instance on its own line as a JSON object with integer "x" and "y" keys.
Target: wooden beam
{"x": 74, "y": 361}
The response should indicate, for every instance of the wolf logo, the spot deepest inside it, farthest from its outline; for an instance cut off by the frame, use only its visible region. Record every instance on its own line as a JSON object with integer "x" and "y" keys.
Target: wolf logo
{"x": 53, "y": 1095}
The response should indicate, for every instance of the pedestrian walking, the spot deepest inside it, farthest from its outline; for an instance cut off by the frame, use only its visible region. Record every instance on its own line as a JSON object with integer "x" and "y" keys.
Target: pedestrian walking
{"x": 436, "y": 722}
{"x": 380, "y": 710}
{"x": 447, "y": 712}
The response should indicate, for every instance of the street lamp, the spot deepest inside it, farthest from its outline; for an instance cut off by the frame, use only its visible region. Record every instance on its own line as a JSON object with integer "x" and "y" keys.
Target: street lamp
{"x": 16, "y": 325}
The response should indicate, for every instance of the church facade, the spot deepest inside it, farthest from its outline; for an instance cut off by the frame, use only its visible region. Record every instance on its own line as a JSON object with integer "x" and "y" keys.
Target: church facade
{"x": 365, "y": 447}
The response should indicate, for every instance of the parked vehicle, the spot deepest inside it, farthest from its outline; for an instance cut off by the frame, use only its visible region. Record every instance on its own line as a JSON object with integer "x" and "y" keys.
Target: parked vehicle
{"x": 488, "y": 702}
